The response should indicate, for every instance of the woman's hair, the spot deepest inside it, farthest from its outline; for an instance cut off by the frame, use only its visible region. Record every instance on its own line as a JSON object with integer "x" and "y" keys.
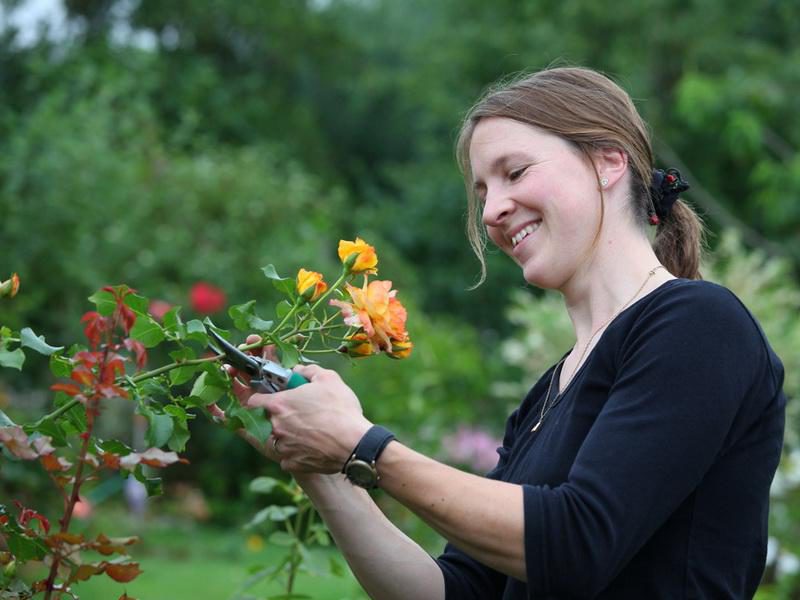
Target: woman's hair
{"x": 589, "y": 110}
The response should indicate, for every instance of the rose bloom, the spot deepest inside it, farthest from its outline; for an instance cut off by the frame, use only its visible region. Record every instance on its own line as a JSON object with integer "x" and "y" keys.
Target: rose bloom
{"x": 158, "y": 308}
{"x": 365, "y": 262}
{"x": 206, "y": 299}
{"x": 310, "y": 285}
{"x": 377, "y": 311}
{"x": 358, "y": 345}
{"x": 400, "y": 349}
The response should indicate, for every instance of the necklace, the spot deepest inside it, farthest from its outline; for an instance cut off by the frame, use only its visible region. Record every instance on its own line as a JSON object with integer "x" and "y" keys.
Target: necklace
{"x": 547, "y": 405}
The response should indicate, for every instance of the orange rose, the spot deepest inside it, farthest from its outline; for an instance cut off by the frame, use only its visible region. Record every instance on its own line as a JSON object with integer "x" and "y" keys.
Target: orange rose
{"x": 358, "y": 256}
{"x": 10, "y": 287}
{"x": 377, "y": 311}
{"x": 357, "y": 345}
{"x": 310, "y": 285}
{"x": 400, "y": 349}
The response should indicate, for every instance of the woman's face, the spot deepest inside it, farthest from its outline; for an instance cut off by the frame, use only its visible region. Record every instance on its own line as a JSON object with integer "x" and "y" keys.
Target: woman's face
{"x": 540, "y": 198}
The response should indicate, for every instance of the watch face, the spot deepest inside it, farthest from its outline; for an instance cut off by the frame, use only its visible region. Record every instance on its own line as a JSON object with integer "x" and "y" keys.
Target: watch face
{"x": 361, "y": 473}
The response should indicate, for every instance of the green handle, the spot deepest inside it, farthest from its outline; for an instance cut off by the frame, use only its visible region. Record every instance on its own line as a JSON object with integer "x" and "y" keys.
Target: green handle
{"x": 296, "y": 380}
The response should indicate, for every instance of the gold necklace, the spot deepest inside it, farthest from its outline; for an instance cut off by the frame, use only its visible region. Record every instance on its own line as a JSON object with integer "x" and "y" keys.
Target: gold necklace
{"x": 545, "y": 408}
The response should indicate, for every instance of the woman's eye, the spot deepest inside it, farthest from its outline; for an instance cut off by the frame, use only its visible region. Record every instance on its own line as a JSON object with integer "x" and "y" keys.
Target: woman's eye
{"x": 516, "y": 174}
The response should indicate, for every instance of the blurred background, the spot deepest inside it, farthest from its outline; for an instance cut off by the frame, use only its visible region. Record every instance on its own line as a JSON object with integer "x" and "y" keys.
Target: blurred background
{"x": 180, "y": 146}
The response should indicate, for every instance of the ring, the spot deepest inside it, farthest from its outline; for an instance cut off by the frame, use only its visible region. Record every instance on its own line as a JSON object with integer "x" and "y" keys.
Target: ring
{"x": 275, "y": 445}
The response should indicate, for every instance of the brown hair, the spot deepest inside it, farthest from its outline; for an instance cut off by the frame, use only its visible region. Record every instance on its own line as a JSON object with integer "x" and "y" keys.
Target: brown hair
{"x": 590, "y": 111}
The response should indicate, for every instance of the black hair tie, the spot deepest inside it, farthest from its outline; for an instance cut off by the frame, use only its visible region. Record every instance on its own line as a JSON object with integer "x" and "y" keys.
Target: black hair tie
{"x": 665, "y": 188}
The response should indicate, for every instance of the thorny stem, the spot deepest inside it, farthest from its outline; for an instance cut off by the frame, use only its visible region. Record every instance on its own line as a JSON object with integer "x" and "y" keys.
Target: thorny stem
{"x": 91, "y": 412}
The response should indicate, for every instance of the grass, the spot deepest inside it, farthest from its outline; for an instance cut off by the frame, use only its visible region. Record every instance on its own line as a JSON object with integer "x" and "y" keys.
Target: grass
{"x": 181, "y": 560}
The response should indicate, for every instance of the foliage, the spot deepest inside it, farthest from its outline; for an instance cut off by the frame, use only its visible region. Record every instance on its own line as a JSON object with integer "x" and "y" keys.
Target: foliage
{"x": 118, "y": 333}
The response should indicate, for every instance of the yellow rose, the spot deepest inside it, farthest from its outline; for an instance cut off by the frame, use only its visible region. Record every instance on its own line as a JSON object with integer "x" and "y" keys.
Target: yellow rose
{"x": 310, "y": 285}
{"x": 400, "y": 349}
{"x": 358, "y": 256}
{"x": 358, "y": 345}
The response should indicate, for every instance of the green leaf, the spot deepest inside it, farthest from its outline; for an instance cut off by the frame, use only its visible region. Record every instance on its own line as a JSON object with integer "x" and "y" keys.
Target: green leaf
{"x": 282, "y": 308}
{"x": 147, "y": 331}
{"x": 50, "y": 428}
{"x": 153, "y": 485}
{"x": 173, "y": 323}
{"x": 195, "y": 330}
{"x": 115, "y": 446}
{"x": 104, "y": 301}
{"x": 138, "y": 303}
{"x": 253, "y": 421}
{"x": 25, "y": 548}
{"x": 74, "y": 420}
{"x": 159, "y": 426}
{"x": 13, "y": 359}
{"x": 263, "y": 485}
{"x": 315, "y": 561}
{"x": 289, "y": 354}
{"x": 245, "y": 318}
{"x": 204, "y": 392}
{"x": 60, "y": 366}
{"x": 28, "y": 339}
{"x": 180, "y": 429}
{"x": 183, "y": 374}
{"x": 285, "y": 285}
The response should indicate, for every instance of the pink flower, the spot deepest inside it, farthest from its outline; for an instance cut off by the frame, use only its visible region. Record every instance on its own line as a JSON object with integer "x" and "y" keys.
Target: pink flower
{"x": 158, "y": 308}
{"x": 206, "y": 299}
{"x": 473, "y": 448}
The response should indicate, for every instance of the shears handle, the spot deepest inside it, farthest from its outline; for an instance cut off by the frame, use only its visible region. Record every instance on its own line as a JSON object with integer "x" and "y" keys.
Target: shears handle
{"x": 270, "y": 385}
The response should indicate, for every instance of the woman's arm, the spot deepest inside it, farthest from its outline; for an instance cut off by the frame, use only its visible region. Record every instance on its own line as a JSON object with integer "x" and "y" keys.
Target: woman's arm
{"x": 317, "y": 426}
{"x": 387, "y": 563}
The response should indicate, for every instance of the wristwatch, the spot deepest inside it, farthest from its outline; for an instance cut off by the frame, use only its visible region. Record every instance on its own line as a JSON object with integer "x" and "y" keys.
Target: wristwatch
{"x": 360, "y": 467}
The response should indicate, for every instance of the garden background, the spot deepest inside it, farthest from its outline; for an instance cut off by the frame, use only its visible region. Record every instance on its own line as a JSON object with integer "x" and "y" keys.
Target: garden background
{"x": 180, "y": 146}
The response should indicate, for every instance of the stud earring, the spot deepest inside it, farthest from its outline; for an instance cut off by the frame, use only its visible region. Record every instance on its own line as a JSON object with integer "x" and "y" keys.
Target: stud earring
{"x": 603, "y": 181}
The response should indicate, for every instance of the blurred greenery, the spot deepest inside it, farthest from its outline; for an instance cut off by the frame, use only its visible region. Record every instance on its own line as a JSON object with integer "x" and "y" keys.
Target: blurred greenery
{"x": 164, "y": 143}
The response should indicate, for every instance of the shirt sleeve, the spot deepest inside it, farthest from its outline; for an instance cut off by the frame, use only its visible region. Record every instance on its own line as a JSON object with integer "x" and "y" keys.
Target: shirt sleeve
{"x": 683, "y": 372}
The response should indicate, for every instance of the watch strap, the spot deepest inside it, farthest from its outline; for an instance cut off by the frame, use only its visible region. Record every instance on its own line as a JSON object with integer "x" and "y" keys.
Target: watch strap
{"x": 370, "y": 446}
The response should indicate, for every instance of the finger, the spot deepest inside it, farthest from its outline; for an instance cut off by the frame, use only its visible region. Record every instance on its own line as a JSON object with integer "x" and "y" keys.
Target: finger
{"x": 252, "y": 339}
{"x": 217, "y": 413}
{"x": 270, "y": 353}
{"x": 310, "y": 372}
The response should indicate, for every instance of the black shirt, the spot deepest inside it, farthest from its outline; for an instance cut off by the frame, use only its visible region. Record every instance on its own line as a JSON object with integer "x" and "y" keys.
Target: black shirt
{"x": 650, "y": 476}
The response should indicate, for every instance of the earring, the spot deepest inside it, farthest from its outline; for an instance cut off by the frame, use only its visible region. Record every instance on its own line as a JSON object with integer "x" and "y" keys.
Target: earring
{"x": 603, "y": 181}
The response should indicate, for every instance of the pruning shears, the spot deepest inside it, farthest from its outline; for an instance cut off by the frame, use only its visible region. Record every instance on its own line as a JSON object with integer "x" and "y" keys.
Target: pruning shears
{"x": 266, "y": 376}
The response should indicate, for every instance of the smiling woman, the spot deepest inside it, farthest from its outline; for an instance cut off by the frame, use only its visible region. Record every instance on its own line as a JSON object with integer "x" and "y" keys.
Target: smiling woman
{"x": 639, "y": 465}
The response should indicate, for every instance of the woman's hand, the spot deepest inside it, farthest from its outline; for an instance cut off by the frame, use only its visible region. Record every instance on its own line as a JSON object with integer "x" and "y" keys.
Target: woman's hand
{"x": 240, "y": 383}
{"x": 315, "y": 426}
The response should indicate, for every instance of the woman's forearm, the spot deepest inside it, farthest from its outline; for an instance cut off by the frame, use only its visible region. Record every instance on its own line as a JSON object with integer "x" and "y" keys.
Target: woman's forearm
{"x": 387, "y": 563}
{"x": 482, "y": 517}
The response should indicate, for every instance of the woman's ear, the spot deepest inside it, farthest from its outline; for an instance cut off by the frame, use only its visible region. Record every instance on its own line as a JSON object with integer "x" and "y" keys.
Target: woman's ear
{"x": 611, "y": 165}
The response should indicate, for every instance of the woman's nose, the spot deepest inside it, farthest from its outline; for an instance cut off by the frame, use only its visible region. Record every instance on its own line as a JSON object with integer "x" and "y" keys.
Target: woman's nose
{"x": 496, "y": 208}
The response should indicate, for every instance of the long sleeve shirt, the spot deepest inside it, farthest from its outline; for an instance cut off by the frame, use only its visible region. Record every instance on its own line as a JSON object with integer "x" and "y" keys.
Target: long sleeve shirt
{"x": 649, "y": 477}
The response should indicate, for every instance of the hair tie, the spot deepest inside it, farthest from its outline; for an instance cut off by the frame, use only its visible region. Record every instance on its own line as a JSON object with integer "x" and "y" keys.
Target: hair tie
{"x": 665, "y": 188}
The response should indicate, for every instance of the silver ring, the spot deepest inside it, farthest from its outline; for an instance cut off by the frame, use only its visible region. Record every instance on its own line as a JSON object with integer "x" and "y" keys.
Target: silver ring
{"x": 275, "y": 445}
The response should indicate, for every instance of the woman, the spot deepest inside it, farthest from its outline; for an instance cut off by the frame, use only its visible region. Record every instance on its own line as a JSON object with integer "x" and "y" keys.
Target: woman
{"x": 637, "y": 467}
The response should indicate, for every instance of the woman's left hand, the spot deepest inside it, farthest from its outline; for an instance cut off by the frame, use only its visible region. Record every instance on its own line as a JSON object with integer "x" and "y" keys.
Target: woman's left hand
{"x": 315, "y": 426}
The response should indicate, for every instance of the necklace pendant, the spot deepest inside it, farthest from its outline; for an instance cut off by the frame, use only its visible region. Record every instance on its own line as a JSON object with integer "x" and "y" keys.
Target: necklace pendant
{"x": 535, "y": 427}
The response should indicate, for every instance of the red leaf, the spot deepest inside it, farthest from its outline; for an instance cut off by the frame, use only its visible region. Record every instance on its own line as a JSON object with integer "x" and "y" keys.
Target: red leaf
{"x": 138, "y": 348}
{"x": 96, "y": 326}
{"x": 110, "y": 460}
{"x": 28, "y": 514}
{"x": 123, "y": 573}
{"x": 72, "y": 390}
{"x": 51, "y": 463}
{"x": 82, "y": 375}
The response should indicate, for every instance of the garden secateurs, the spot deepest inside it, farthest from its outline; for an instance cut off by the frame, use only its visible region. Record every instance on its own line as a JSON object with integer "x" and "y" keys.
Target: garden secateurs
{"x": 266, "y": 376}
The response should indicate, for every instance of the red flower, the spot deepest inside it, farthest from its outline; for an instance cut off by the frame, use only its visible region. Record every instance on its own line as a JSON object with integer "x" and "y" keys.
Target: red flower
{"x": 206, "y": 299}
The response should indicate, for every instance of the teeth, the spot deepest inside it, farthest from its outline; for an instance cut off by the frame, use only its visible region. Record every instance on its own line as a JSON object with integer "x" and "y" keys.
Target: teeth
{"x": 523, "y": 233}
